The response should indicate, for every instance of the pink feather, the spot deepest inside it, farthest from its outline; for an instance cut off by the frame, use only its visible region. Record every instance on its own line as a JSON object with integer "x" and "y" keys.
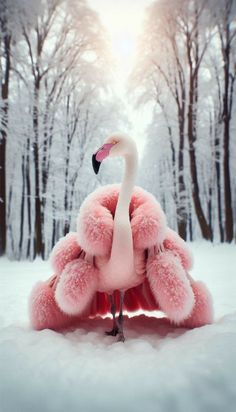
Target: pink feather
{"x": 96, "y": 219}
{"x": 122, "y": 244}
{"x": 165, "y": 288}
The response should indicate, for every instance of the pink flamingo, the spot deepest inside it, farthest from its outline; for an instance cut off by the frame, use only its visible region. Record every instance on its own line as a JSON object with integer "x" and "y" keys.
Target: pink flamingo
{"x": 122, "y": 254}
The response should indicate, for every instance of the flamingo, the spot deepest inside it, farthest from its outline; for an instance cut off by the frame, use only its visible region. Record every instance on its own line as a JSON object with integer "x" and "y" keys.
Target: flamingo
{"x": 122, "y": 254}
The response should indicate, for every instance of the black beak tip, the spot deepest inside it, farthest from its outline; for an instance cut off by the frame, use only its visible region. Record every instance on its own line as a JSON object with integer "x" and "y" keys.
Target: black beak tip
{"x": 96, "y": 164}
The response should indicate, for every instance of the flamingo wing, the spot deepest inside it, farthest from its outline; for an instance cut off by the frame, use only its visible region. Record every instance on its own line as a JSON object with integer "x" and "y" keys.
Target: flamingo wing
{"x": 96, "y": 218}
{"x": 95, "y": 231}
{"x": 166, "y": 284}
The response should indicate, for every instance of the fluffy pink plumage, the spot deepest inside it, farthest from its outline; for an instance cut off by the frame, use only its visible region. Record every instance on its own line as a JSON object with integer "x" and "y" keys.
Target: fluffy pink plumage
{"x": 166, "y": 287}
{"x": 174, "y": 243}
{"x": 76, "y": 287}
{"x": 43, "y": 309}
{"x": 89, "y": 264}
{"x": 96, "y": 220}
{"x": 66, "y": 250}
{"x": 202, "y": 312}
{"x": 170, "y": 286}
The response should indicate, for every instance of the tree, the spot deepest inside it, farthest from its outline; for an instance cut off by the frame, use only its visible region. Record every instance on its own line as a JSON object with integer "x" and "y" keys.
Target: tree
{"x": 195, "y": 54}
{"x": 226, "y": 20}
{"x": 163, "y": 71}
{"x": 5, "y": 67}
{"x": 61, "y": 104}
{"x": 58, "y": 51}
{"x": 171, "y": 72}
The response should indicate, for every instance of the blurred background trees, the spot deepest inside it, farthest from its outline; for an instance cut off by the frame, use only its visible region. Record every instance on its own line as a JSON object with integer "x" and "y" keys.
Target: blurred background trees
{"x": 58, "y": 102}
{"x": 56, "y": 99}
{"x": 186, "y": 67}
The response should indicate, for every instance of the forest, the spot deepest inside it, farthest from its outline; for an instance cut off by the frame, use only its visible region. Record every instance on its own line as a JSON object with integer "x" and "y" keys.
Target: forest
{"x": 58, "y": 103}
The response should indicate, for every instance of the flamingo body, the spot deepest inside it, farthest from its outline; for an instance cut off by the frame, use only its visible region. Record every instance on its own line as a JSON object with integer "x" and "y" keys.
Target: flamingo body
{"x": 159, "y": 282}
{"x": 124, "y": 249}
{"x": 96, "y": 220}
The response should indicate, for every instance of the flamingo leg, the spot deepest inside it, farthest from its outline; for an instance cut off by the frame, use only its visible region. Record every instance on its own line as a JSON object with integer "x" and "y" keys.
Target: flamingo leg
{"x": 121, "y": 337}
{"x": 115, "y": 328}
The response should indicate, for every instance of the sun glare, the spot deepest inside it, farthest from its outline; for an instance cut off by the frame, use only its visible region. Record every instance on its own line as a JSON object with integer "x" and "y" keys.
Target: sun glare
{"x": 123, "y": 20}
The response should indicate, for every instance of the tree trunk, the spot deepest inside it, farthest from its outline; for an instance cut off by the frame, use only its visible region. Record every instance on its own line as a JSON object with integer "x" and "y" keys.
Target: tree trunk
{"x": 38, "y": 215}
{"x": 2, "y": 193}
{"x": 22, "y": 211}
{"x": 173, "y": 163}
{"x": 205, "y": 228}
{"x": 3, "y": 135}
{"x": 218, "y": 184}
{"x": 182, "y": 215}
{"x": 229, "y": 231}
{"x": 190, "y": 223}
{"x": 28, "y": 195}
{"x": 209, "y": 209}
{"x": 192, "y": 44}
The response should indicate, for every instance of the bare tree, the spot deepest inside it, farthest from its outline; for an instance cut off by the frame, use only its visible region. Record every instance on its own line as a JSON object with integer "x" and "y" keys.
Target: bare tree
{"x": 195, "y": 54}
{"x": 56, "y": 51}
{"x": 5, "y": 67}
{"x": 59, "y": 64}
{"x": 227, "y": 34}
{"x": 177, "y": 37}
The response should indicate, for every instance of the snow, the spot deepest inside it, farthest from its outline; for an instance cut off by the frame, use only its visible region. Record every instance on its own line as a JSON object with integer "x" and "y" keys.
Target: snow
{"x": 158, "y": 368}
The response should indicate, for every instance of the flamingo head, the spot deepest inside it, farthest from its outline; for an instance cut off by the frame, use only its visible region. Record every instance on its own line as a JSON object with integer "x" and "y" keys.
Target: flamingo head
{"x": 114, "y": 146}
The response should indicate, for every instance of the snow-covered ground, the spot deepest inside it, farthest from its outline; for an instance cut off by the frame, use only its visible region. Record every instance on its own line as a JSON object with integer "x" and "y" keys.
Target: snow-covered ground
{"x": 158, "y": 368}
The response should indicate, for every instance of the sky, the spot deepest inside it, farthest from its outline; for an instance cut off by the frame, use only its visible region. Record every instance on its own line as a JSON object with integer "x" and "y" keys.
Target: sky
{"x": 123, "y": 21}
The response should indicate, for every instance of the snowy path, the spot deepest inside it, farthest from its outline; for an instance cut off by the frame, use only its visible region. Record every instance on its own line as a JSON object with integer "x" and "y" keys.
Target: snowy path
{"x": 158, "y": 368}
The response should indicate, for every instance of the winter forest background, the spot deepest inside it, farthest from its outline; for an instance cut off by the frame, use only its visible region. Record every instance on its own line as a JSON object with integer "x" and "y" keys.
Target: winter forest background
{"x": 59, "y": 101}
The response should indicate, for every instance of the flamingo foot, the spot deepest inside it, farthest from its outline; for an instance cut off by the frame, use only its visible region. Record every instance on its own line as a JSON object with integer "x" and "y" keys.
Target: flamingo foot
{"x": 117, "y": 323}
{"x": 121, "y": 337}
{"x": 116, "y": 331}
{"x": 113, "y": 332}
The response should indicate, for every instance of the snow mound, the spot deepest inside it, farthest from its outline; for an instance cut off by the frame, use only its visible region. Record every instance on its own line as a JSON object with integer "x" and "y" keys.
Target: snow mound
{"x": 158, "y": 368}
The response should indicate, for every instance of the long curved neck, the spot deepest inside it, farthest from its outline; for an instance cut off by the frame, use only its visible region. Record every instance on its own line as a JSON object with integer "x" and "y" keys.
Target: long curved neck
{"x": 122, "y": 244}
{"x": 122, "y": 208}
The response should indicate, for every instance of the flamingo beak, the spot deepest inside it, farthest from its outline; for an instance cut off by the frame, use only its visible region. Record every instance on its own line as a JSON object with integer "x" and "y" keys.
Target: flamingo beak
{"x": 96, "y": 164}
{"x": 100, "y": 155}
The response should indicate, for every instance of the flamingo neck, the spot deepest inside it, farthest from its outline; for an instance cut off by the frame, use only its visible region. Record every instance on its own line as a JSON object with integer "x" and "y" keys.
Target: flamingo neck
{"x": 122, "y": 244}
{"x": 122, "y": 208}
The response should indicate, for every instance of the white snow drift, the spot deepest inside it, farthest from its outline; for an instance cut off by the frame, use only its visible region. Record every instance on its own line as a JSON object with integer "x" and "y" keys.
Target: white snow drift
{"x": 158, "y": 368}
